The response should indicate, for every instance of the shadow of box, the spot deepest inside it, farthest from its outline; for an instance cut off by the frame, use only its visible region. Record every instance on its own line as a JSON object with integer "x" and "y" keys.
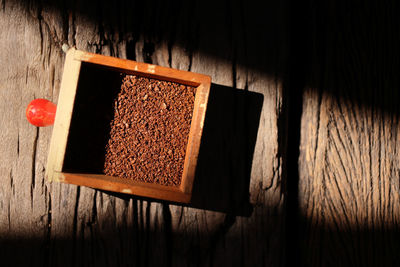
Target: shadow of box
{"x": 90, "y": 85}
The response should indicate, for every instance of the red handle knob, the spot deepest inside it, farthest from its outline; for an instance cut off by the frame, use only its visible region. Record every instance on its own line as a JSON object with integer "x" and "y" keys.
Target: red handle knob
{"x": 41, "y": 112}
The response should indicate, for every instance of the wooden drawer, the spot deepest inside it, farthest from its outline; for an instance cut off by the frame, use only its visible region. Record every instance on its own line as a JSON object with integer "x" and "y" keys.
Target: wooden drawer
{"x": 75, "y": 63}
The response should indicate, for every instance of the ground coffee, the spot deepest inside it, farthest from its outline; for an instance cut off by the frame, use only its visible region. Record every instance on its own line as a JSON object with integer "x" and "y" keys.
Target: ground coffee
{"x": 150, "y": 130}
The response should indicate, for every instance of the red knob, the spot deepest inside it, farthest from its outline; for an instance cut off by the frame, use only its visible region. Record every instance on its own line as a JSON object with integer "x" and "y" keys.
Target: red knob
{"x": 41, "y": 112}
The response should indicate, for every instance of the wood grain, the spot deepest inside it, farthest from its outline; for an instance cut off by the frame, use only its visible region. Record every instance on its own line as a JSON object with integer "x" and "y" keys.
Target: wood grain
{"x": 65, "y": 225}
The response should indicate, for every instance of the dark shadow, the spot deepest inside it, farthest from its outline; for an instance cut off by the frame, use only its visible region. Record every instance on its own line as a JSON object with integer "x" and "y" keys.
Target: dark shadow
{"x": 226, "y": 151}
{"x": 90, "y": 123}
{"x": 367, "y": 247}
{"x": 325, "y": 245}
{"x": 289, "y": 123}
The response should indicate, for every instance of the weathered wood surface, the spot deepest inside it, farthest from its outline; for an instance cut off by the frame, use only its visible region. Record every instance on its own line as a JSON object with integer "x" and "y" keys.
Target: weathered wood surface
{"x": 45, "y": 224}
{"x": 342, "y": 204}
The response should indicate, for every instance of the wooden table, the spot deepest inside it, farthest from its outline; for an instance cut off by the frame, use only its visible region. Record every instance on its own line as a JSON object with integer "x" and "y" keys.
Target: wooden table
{"x": 285, "y": 76}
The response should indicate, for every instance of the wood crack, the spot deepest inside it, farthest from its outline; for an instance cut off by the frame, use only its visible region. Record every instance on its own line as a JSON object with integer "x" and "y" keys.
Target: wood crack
{"x": 190, "y": 55}
{"x": 318, "y": 126}
{"x": 9, "y": 215}
{"x": 18, "y": 144}
{"x": 71, "y": 37}
{"x": 48, "y": 232}
{"x": 52, "y": 81}
{"x": 94, "y": 210}
{"x": 12, "y": 185}
{"x": 170, "y": 44}
{"x": 33, "y": 174}
{"x": 40, "y": 19}
{"x": 182, "y": 209}
{"x": 26, "y": 74}
{"x": 65, "y": 23}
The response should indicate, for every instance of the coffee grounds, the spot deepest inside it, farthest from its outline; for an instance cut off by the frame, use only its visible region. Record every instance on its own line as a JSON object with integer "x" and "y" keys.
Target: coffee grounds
{"x": 150, "y": 130}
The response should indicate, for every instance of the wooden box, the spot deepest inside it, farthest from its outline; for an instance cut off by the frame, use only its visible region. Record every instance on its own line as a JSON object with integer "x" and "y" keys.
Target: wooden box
{"x": 55, "y": 171}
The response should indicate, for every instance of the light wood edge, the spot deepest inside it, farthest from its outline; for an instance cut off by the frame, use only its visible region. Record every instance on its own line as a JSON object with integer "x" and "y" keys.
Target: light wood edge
{"x": 62, "y": 121}
{"x": 196, "y": 130}
{"x": 120, "y": 185}
{"x": 144, "y": 69}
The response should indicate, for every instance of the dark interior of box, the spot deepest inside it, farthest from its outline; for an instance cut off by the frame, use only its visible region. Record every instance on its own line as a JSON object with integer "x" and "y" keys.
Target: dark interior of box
{"x": 97, "y": 89}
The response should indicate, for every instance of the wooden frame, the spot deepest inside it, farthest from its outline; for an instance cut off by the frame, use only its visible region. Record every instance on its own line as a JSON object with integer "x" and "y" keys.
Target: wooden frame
{"x": 66, "y": 100}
